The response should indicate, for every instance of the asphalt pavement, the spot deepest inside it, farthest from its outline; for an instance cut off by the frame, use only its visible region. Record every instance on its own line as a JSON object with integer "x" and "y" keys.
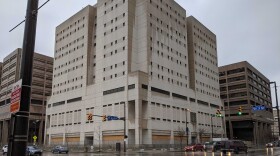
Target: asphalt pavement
{"x": 252, "y": 152}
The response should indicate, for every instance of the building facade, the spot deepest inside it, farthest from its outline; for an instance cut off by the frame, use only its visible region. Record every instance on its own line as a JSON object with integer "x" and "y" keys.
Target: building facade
{"x": 244, "y": 87}
{"x": 40, "y": 89}
{"x": 1, "y": 65}
{"x": 130, "y": 58}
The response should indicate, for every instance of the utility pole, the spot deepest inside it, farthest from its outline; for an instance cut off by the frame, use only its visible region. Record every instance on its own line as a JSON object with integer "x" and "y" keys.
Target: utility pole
{"x": 277, "y": 107}
{"x": 229, "y": 118}
{"x": 212, "y": 135}
{"x": 187, "y": 129}
{"x": 20, "y": 121}
{"x": 124, "y": 131}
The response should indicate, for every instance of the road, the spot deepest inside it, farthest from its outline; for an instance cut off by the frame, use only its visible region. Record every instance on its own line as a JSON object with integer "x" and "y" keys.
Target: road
{"x": 258, "y": 152}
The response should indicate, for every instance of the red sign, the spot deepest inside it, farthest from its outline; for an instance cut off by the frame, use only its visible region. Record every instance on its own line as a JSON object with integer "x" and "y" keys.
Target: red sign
{"x": 15, "y": 97}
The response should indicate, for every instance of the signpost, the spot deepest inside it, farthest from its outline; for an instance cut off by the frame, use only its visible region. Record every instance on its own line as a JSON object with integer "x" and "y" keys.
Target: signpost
{"x": 112, "y": 118}
{"x": 15, "y": 96}
{"x": 258, "y": 108}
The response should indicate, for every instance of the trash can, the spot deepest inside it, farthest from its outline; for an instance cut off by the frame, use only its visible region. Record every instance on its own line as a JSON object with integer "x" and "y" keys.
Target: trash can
{"x": 118, "y": 146}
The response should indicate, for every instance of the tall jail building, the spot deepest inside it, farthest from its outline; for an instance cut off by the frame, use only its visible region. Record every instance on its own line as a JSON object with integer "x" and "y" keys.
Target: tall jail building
{"x": 242, "y": 85}
{"x": 132, "y": 57}
{"x": 40, "y": 89}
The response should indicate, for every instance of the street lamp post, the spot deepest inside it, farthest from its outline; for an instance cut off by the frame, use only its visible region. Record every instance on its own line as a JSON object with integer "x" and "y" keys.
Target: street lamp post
{"x": 212, "y": 127}
{"x": 187, "y": 129}
{"x": 277, "y": 107}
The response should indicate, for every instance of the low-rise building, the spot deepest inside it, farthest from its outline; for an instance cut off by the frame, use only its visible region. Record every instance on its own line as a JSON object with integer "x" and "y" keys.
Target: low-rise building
{"x": 245, "y": 89}
{"x": 40, "y": 89}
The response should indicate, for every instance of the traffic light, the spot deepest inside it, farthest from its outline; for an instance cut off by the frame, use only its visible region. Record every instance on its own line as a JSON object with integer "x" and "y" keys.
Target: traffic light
{"x": 239, "y": 110}
{"x": 104, "y": 118}
{"x": 218, "y": 113}
{"x": 89, "y": 116}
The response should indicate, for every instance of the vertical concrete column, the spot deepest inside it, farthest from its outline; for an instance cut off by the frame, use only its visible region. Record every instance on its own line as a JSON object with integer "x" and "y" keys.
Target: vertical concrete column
{"x": 1, "y": 130}
{"x": 63, "y": 138}
{"x": 172, "y": 137}
{"x": 49, "y": 139}
{"x": 5, "y": 131}
{"x": 82, "y": 138}
{"x": 40, "y": 132}
{"x": 138, "y": 122}
{"x": 148, "y": 137}
{"x": 262, "y": 133}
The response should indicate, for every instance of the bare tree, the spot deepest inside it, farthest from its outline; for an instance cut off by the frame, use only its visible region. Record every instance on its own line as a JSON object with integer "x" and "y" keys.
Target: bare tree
{"x": 201, "y": 131}
{"x": 180, "y": 134}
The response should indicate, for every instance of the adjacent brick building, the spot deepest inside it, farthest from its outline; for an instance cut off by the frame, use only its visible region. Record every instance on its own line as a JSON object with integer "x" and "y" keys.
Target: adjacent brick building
{"x": 242, "y": 85}
{"x": 40, "y": 89}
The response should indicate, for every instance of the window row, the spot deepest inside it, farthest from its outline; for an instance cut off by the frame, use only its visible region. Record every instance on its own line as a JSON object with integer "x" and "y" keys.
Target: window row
{"x": 214, "y": 62}
{"x": 170, "y": 80}
{"x": 69, "y": 62}
{"x": 158, "y": 23}
{"x": 68, "y": 89}
{"x": 69, "y": 44}
{"x": 109, "y": 77}
{"x": 204, "y": 34}
{"x": 203, "y": 40}
{"x": 115, "y": 19}
{"x": 168, "y": 57}
{"x": 69, "y": 52}
{"x": 109, "y": 31}
{"x": 202, "y": 91}
{"x": 69, "y": 70}
{"x": 206, "y": 75}
{"x": 74, "y": 24}
{"x": 113, "y": 44}
{"x": 114, "y": 66}
{"x": 70, "y": 33}
{"x": 167, "y": 70}
{"x": 109, "y": 9}
{"x": 207, "y": 85}
{"x": 165, "y": 33}
{"x": 206, "y": 68}
{"x": 121, "y": 49}
{"x": 167, "y": 112}
{"x": 66, "y": 118}
{"x": 171, "y": 15}
{"x": 68, "y": 81}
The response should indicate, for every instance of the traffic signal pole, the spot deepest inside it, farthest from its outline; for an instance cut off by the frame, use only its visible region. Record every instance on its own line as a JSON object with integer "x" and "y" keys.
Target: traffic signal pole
{"x": 277, "y": 107}
{"x": 124, "y": 131}
{"x": 20, "y": 121}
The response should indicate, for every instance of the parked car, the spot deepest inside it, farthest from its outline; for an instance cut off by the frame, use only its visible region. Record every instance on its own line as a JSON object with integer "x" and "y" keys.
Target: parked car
{"x": 33, "y": 150}
{"x": 214, "y": 146}
{"x": 5, "y": 149}
{"x": 235, "y": 146}
{"x": 270, "y": 144}
{"x": 194, "y": 147}
{"x": 60, "y": 149}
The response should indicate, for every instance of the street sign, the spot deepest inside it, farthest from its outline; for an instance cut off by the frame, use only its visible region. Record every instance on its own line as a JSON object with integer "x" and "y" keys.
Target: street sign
{"x": 258, "y": 108}
{"x": 15, "y": 96}
{"x": 112, "y": 118}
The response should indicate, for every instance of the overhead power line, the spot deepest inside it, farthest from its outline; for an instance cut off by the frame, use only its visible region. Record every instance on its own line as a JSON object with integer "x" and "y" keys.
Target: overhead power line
{"x": 35, "y": 11}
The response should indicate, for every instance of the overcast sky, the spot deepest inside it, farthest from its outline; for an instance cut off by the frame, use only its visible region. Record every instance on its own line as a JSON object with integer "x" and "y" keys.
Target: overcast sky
{"x": 245, "y": 29}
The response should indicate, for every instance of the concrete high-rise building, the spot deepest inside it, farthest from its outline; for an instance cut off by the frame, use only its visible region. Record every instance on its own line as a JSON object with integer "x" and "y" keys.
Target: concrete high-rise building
{"x": 132, "y": 57}
{"x": 1, "y": 64}
{"x": 40, "y": 89}
{"x": 242, "y": 85}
